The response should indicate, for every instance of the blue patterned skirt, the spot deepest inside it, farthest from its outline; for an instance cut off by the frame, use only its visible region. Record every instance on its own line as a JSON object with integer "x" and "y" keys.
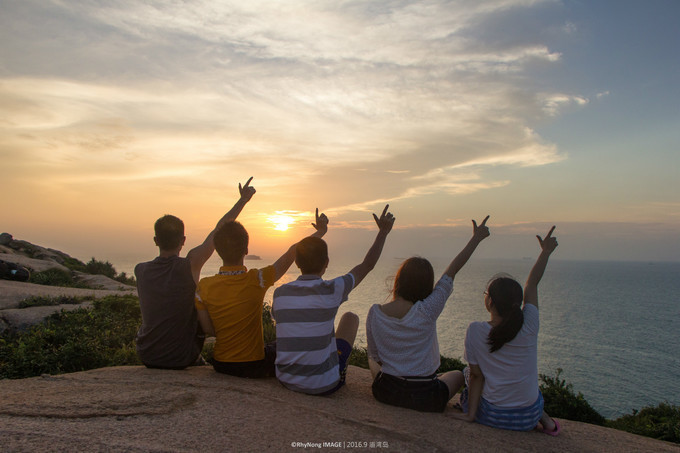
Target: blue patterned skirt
{"x": 516, "y": 419}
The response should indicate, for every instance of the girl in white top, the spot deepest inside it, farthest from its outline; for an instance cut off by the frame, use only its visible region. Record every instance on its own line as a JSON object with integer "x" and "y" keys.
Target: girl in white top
{"x": 502, "y": 378}
{"x": 402, "y": 335}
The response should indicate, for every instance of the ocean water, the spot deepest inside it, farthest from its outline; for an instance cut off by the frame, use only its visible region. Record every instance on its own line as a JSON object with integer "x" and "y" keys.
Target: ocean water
{"x": 610, "y": 326}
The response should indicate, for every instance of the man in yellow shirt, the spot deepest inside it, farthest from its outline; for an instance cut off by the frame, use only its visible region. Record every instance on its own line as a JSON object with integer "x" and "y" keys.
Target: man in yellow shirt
{"x": 230, "y": 303}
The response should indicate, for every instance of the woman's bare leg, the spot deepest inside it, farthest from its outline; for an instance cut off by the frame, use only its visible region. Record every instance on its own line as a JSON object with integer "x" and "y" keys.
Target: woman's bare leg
{"x": 454, "y": 380}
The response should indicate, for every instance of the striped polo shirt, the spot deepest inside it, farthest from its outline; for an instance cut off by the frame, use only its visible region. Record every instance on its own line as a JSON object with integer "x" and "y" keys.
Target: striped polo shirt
{"x": 306, "y": 353}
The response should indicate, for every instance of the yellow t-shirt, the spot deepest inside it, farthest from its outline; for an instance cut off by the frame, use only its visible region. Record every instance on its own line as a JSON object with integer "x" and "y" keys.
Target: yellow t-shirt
{"x": 234, "y": 299}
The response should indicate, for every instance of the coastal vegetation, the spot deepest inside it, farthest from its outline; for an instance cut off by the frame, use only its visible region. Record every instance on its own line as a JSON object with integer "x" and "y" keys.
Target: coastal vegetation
{"x": 56, "y": 277}
{"x": 68, "y": 278}
{"x": 42, "y": 301}
{"x": 104, "y": 336}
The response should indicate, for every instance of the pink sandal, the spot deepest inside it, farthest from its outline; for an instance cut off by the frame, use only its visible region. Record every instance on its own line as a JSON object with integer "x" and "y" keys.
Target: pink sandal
{"x": 554, "y": 432}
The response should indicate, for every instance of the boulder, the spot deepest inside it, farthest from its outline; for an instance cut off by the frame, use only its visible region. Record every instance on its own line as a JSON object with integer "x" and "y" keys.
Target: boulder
{"x": 17, "y": 319}
{"x": 5, "y": 239}
{"x": 103, "y": 282}
{"x": 36, "y": 265}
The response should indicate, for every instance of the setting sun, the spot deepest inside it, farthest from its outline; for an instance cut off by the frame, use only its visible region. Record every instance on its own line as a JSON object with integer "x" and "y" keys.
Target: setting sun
{"x": 281, "y": 222}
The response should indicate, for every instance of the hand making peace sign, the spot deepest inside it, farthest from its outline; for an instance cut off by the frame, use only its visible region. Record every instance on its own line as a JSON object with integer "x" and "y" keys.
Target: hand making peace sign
{"x": 549, "y": 243}
{"x": 385, "y": 221}
{"x": 321, "y": 223}
{"x": 482, "y": 231}
{"x": 246, "y": 191}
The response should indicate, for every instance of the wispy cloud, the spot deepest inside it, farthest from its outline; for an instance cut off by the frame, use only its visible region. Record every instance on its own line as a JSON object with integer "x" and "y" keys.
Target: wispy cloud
{"x": 554, "y": 103}
{"x": 364, "y": 102}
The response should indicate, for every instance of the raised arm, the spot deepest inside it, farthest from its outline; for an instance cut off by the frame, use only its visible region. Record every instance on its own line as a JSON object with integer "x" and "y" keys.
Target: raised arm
{"x": 282, "y": 265}
{"x": 479, "y": 233}
{"x": 384, "y": 222}
{"x": 200, "y": 254}
{"x": 548, "y": 245}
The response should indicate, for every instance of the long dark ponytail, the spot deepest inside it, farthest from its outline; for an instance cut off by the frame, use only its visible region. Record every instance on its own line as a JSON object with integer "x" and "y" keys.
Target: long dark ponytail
{"x": 506, "y": 296}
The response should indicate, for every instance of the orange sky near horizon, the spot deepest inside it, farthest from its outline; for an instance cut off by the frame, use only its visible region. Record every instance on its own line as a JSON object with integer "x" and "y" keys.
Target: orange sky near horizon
{"x": 537, "y": 113}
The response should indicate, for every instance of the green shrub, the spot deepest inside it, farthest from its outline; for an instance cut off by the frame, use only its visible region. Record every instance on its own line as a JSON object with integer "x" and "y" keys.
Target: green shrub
{"x": 75, "y": 341}
{"x": 124, "y": 279}
{"x": 41, "y": 301}
{"x": 73, "y": 264}
{"x": 268, "y": 324}
{"x": 359, "y": 357}
{"x": 55, "y": 277}
{"x": 208, "y": 351}
{"x": 562, "y": 402}
{"x": 449, "y": 364}
{"x": 95, "y": 267}
{"x": 661, "y": 422}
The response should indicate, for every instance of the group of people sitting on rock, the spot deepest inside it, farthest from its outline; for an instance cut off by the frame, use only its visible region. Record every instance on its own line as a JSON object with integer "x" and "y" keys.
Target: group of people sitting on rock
{"x": 310, "y": 355}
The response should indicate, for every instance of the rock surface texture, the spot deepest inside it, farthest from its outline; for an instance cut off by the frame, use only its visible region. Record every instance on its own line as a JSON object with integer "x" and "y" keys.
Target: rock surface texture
{"x": 13, "y": 292}
{"x": 134, "y": 409}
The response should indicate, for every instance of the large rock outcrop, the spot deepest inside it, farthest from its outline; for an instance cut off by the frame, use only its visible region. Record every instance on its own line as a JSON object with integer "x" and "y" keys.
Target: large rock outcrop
{"x": 134, "y": 409}
{"x": 38, "y": 259}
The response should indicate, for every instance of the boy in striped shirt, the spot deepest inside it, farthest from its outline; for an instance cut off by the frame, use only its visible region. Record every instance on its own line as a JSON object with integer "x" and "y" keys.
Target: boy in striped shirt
{"x": 311, "y": 357}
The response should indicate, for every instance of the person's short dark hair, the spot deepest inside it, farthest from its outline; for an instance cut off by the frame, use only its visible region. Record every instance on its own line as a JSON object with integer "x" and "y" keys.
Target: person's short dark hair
{"x": 311, "y": 255}
{"x": 231, "y": 242}
{"x": 169, "y": 232}
{"x": 414, "y": 280}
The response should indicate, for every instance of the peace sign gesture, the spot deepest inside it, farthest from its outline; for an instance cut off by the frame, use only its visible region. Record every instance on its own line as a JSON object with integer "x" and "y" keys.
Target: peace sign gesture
{"x": 385, "y": 221}
{"x": 549, "y": 243}
{"x": 321, "y": 222}
{"x": 246, "y": 191}
{"x": 482, "y": 231}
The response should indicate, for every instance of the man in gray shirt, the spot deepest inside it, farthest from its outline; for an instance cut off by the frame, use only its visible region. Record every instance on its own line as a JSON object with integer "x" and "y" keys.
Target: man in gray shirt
{"x": 170, "y": 336}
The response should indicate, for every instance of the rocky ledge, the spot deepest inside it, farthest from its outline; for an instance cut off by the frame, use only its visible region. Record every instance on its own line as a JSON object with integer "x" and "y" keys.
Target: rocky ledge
{"x": 134, "y": 409}
{"x": 38, "y": 259}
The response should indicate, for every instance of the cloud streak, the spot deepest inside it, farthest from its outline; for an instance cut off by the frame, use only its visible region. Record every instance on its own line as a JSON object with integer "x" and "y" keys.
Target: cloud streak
{"x": 363, "y": 102}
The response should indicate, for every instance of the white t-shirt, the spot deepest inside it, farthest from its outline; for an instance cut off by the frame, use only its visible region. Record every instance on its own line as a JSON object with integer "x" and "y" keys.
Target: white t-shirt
{"x": 510, "y": 373}
{"x": 408, "y": 346}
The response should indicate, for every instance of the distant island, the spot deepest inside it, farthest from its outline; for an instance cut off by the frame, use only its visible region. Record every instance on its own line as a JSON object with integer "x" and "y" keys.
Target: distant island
{"x": 253, "y": 257}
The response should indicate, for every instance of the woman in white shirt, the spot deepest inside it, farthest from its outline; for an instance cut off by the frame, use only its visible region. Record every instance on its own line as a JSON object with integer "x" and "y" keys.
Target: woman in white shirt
{"x": 502, "y": 377}
{"x": 402, "y": 335}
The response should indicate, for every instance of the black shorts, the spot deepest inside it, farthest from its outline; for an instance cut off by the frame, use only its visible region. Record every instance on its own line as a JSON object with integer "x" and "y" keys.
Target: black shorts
{"x": 254, "y": 369}
{"x": 199, "y": 340}
{"x": 424, "y": 394}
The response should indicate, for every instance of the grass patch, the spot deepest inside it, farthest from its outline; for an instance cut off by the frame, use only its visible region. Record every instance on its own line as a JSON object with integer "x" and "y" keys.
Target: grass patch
{"x": 449, "y": 364}
{"x": 75, "y": 341}
{"x": 73, "y": 263}
{"x": 43, "y": 301}
{"x": 66, "y": 278}
{"x": 359, "y": 357}
{"x": 268, "y": 325}
{"x": 56, "y": 277}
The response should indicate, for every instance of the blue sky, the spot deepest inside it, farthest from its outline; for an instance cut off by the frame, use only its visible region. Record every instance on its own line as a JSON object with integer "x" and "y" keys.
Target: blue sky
{"x": 536, "y": 112}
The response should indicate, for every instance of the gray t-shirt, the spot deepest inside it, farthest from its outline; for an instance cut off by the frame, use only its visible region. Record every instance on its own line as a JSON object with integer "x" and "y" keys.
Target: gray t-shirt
{"x": 168, "y": 335}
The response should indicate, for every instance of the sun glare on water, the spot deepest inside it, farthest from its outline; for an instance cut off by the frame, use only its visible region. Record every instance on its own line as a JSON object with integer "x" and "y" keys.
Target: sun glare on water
{"x": 281, "y": 222}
